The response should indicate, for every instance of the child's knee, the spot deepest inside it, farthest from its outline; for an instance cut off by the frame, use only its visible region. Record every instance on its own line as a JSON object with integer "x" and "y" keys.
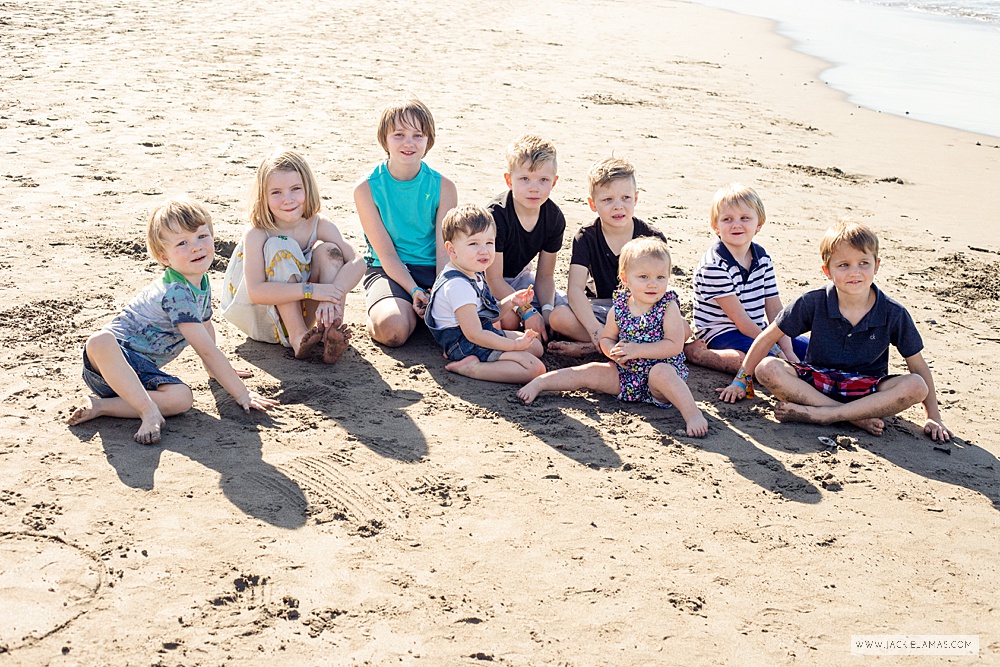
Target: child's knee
{"x": 771, "y": 370}
{"x": 914, "y": 388}
{"x": 179, "y": 397}
{"x": 392, "y": 331}
{"x": 535, "y": 367}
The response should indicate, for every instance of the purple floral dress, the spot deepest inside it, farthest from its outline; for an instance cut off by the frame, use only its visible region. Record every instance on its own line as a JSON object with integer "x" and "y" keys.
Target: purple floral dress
{"x": 633, "y": 376}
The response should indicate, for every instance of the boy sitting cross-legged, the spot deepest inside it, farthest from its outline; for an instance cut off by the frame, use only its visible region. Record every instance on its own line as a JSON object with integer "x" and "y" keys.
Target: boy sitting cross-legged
{"x": 530, "y": 226}
{"x": 596, "y": 247}
{"x": 844, "y": 374}
{"x": 462, "y": 313}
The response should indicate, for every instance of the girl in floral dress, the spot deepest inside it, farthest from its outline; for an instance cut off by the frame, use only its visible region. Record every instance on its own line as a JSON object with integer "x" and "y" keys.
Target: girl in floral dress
{"x": 644, "y": 342}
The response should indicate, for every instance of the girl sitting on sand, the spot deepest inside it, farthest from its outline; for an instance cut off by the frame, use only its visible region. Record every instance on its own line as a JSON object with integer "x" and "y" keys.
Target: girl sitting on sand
{"x": 401, "y": 204}
{"x": 644, "y": 341}
{"x": 290, "y": 274}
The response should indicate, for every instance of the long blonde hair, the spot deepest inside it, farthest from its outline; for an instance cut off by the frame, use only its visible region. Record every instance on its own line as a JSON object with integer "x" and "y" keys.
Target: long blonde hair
{"x": 282, "y": 160}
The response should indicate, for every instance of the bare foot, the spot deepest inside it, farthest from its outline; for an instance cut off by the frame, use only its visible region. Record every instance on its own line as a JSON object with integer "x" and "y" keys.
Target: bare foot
{"x": 571, "y": 348}
{"x": 529, "y": 392}
{"x": 151, "y": 429}
{"x": 83, "y": 413}
{"x": 462, "y": 366}
{"x": 793, "y": 412}
{"x": 697, "y": 425}
{"x": 335, "y": 342}
{"x": 310, "y": 339}
{"x": 873, "y": 425}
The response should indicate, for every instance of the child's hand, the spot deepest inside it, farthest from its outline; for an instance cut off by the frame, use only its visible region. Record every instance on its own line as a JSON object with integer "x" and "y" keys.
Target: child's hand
{"x": 252, "y": 399}
{"x": 329, "y": 314}
{"x": 937, "y": 430}
{"x": 524, "y": 341}
{"x": 524, "y": 297}
{"x": 420, "y": 300}
{"x": 732, "y": 393}
{"x": 536, "y": 323}
{"x": 328, "y": 292}
{"x": 623, "y": 352}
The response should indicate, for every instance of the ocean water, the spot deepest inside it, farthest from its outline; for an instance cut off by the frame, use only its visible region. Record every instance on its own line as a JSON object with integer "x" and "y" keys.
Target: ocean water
{"x": 925, "y": 59}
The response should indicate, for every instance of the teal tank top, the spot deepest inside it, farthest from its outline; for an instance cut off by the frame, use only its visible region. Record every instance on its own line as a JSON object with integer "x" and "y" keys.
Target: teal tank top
{"x": 408, "y": 210}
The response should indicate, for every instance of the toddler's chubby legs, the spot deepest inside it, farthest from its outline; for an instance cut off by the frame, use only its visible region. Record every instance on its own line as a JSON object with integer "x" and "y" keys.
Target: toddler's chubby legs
{"x": 726, "y": 361}
{"x": 133, "y": 401}
{"x": 667, "y": 386}
{"x": 300, "y": 317}
{"x": 599, "y": 376}
{"x": 801, "y": 402}
{"x": 512, "y": 367}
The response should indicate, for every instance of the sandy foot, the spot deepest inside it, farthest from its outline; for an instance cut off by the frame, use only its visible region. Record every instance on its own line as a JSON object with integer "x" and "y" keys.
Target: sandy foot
{"x": 792, "y": 412}
{"x": 335, "y": 342}
{"x": 310, "y": 340}
{"x": 571, "y": 348}
{"x": 462, "y": 366}
{"x": 529, "y": 392}
{"x": 82, "y": 413}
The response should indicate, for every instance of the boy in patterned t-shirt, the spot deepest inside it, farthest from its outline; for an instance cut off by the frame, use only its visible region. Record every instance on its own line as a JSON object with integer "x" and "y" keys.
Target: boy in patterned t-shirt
{"x": 122, "y": 361}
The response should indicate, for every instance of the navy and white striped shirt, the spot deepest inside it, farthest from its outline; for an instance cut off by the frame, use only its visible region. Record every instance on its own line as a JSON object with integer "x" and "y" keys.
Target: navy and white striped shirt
{"x": 718, "y": 275}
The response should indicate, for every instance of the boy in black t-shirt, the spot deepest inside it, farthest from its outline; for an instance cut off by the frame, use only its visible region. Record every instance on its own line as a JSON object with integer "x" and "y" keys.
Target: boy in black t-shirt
{"x": 529, "y": 225}
{"x": 593, "y": 270}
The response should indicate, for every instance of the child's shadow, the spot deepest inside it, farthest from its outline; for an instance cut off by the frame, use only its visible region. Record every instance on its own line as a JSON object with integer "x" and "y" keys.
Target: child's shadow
{"x": 351, "y": 392}
{"x": 548, "y": 423}
{"x": 904, "y": 445}
{"x": 231, "y": 446}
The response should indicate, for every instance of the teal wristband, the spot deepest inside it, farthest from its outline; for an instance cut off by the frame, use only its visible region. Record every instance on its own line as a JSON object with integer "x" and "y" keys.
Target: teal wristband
{"x": 528, "y": 313}
{"x": 739, "y": 384}
{"x": 418, "y": 288}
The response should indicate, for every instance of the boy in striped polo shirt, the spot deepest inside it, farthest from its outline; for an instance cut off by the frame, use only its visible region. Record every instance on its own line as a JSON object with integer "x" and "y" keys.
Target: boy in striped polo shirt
{"x": 735, "y": 291}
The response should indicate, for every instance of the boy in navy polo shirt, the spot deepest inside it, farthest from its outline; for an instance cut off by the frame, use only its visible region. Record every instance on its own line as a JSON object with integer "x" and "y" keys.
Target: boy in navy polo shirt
{"x": 844, "y": 376}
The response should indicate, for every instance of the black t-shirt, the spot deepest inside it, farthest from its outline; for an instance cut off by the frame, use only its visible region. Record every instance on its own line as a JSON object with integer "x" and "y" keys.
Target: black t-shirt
{"x": 519, "y": 246}
{"x": 591, "y": 250}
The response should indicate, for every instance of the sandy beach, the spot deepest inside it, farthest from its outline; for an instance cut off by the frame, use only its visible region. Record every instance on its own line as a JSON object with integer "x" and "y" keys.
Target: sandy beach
{"x": 390, "y": 512}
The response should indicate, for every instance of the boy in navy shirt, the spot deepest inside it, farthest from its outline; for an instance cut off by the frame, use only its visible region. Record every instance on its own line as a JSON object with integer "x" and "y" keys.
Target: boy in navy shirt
{"x": 844, "y": 376}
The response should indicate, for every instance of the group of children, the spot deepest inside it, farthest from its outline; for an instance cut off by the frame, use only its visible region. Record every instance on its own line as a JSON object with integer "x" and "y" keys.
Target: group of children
{"x": 482, "y": 280}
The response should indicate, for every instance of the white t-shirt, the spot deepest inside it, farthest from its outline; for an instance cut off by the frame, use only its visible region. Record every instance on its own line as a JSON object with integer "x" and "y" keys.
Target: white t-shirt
{"x": 452, "y": 295}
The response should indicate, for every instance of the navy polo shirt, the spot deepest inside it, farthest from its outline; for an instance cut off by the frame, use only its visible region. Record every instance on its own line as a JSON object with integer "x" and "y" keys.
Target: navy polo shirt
{"x": 835, "y": 344}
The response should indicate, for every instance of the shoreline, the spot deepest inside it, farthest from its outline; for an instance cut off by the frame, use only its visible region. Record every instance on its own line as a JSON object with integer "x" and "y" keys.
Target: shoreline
{"x": 922, "y": 65}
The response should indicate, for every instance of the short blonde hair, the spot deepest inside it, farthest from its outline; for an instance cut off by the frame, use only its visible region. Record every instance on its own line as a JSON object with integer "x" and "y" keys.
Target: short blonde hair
{"x": 733, "y": 194}
{"x": 853, "y": 233}
{"x": 607, "y": 170}
{"x": 174, "y": 215}
{"x": 282, "y": 159}
{"x": 639, "y": 248}
{"x": 465, "y": 219}
{"x": 532, "y": 149}
{"x": 410, "y": 112}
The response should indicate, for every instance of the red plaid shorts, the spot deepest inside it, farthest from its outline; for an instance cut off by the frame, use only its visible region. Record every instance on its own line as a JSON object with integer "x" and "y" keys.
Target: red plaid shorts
{"x": 839, "y": 385}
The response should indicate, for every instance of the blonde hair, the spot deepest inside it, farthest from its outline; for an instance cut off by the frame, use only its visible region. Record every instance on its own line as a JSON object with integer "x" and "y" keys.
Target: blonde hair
{"x": 465, "y": 219}
{"x": 853, "y": 233}
{"x": 532, "y": 149}
{"x": 607, "y": 170}
{"x": 174, "y": 215}
{"x": 411, "y": 112}
{"x": 640, "y": 248}
{"x": 736, "y": 194}
{"x": 282, "y": 160}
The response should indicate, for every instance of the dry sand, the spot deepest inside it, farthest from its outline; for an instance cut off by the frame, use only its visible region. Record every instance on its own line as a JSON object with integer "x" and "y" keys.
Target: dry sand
{"x": 392, "y": 513}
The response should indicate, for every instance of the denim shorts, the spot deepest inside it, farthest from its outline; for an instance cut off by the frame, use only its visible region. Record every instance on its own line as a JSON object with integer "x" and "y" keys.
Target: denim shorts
{"x": 456, "y": 346}
{"x": 149, "y": 375}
